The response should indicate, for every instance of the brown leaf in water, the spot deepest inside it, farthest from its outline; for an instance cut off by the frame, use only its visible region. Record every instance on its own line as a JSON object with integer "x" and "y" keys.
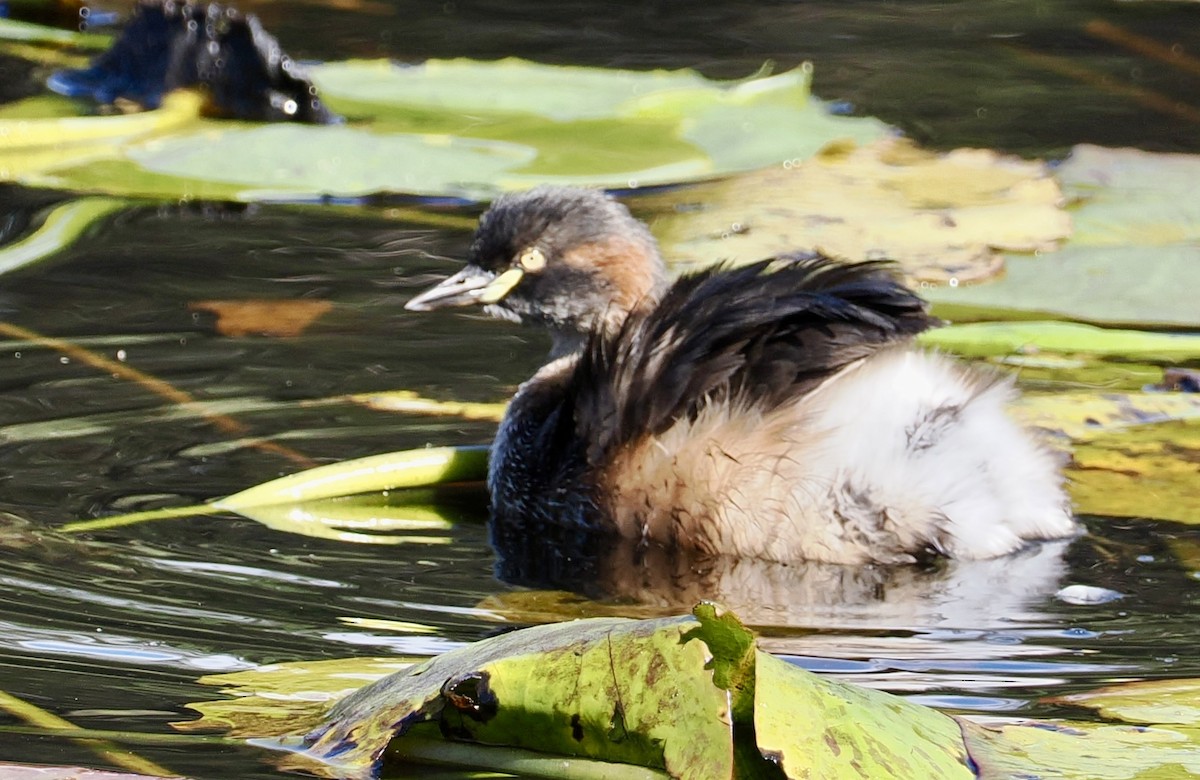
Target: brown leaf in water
{"x": 237, "y": 319}
{"x": 943, "y": 217}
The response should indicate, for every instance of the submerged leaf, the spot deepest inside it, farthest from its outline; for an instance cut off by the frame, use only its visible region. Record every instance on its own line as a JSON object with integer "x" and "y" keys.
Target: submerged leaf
{"x": 236, "y": 319}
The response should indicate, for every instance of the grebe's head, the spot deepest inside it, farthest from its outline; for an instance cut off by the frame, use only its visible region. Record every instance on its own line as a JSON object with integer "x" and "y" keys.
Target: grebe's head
{"x": 571, "y": 259}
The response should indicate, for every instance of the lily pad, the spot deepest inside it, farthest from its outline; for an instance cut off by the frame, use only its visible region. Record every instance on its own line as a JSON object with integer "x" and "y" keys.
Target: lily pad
{"x": 1152, "y": 471}
{"x": 1130, "y": 197}
{"x": 457, "y": 128}
{"x": 1085, "y": 416}
{"x": 671, "y": 693}
{"x": 1134, "y": 256}
{"x": 1153, "y": 701}
{"x": 1110, "y": 285}
{"x": 986, "y": 339}
{"x": 941, "y": 217}
{"x": 1085, "y": 751}
{"x": 604, "y": 688}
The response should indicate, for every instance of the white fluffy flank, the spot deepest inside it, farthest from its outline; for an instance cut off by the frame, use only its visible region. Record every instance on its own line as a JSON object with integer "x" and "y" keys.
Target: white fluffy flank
{"x": 902, "y": 453}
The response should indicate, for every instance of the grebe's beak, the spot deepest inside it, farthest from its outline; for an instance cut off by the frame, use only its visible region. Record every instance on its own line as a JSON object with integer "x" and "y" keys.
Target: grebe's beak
{"x": 472, "y": 286}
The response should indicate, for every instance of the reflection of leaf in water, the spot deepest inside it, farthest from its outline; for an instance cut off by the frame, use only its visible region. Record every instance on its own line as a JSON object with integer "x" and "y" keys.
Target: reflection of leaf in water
{"x": 939, "y": 216}
{"x": 282, "y": 698}
{"x": 236, "y": 319}
{"x": 64, "y": 224}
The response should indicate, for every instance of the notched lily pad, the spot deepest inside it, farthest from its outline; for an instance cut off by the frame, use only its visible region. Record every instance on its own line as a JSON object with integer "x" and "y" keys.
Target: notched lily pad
{"x": 676, "y": 694}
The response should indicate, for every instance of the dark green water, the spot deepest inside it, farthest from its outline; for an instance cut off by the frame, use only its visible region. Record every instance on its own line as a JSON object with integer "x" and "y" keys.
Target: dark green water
{"x": 110, "y": 630}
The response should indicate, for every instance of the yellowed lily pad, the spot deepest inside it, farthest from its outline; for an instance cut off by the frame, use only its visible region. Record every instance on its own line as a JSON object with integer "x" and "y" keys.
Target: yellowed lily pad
{"x": 1086, "y": 416}
{"x": 943, "y": 217}
{"x": 1146, "y": 472}
{"x": 1085, "y": 751}
{"x": 1151, "y": 701}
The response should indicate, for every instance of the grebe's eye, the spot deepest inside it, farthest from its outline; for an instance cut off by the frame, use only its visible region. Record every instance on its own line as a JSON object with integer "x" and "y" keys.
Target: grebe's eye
{"x": 531, "y": 259}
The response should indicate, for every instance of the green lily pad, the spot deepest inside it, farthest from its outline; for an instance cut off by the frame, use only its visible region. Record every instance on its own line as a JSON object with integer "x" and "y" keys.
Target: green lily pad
{"x": 1133, "y": 257}
{"x": 675, "y": 694}
{"x": 625, "y": 691}
{"x": 444, "y": 128}
{"x": 1114, "y": 285}
{"x": 1129, "y": 197}
{"x": 820, "y": 728}
{"x": 986, "y": 339}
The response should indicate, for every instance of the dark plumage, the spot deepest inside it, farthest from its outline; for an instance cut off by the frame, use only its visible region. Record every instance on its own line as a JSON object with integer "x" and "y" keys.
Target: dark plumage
{"x": 774, "y": 410}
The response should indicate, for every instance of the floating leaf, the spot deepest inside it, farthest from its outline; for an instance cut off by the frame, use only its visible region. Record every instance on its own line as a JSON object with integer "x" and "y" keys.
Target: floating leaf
{"x": 372, "y": 474}
{"x": 236, "y": 319}
{"x": 672, "y": 693}
{"x": 1002, "y": 338}
{"x": 939, "y": 216}
{"x": 275, "y": 501}
{"x": 1130, "y": 197}
{"x": 1152, "y": 701}
{"x": 816, "y": 727}
{"x": 1086, "y": 416}
{"x": 1122, "y": 285}
{"x": 1134, "y": 257}
{"x": 465, "y": 129}
{"x": 1153, "y": 471}
{"x": 1084, "y": 751}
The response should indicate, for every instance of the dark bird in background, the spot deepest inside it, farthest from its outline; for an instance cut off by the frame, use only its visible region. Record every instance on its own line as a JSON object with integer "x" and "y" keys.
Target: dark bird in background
{"x": 776, "y": 411}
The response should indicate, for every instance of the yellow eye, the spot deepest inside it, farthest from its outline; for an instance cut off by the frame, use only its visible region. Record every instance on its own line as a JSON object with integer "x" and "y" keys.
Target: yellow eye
{"x": 531, "y": 259}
